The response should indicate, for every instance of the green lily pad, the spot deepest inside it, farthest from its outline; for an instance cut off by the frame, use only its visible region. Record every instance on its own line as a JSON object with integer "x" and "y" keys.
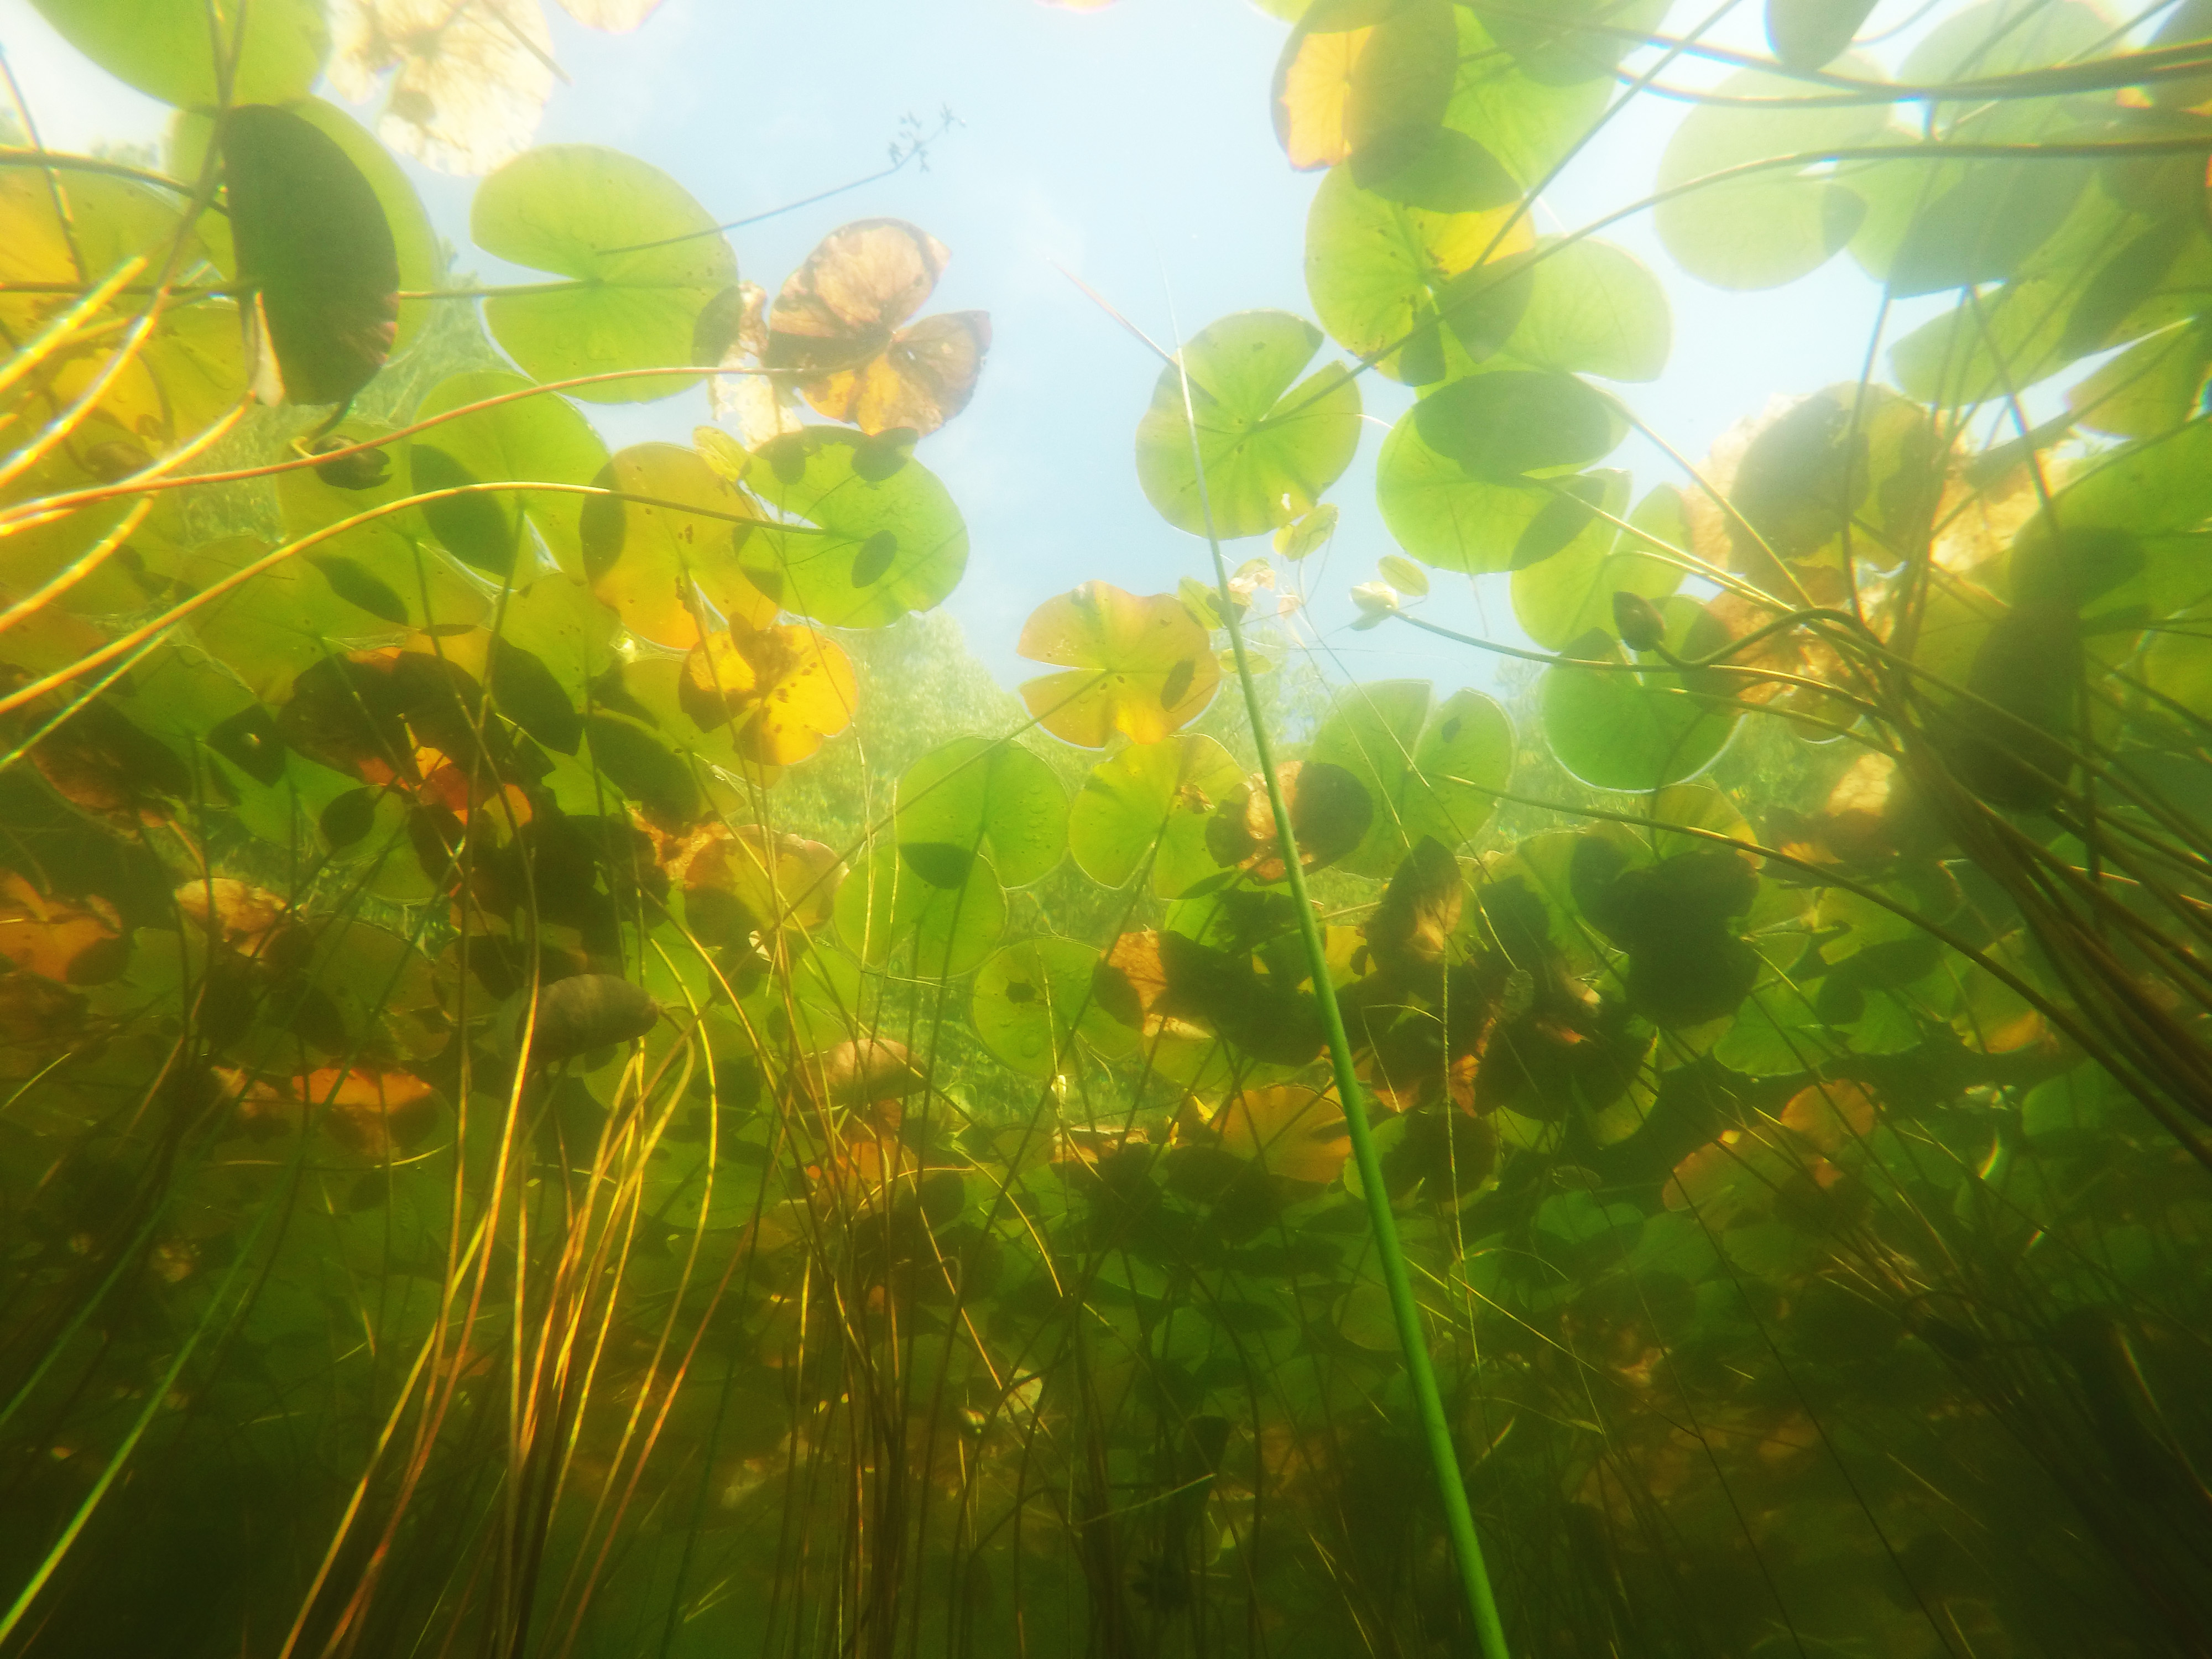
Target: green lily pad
{"x": 421, "y": 266}
{"x": 894, "y": 902}
{"x": 568, "y": 209}
{"x": 1032, "y": 1000}
{"x": 1569, "y": 591}
{"x": 977, "y": 795}
{"x": 313, "y": 246}
{"x": 1269, "y": 447}
{"x": 1152, "y": 796}
{"x": 1808, "y": 34}
{"x": 540, "y": 437}
{"x": 168, "y": 52}
{"x": 1592, "y": 309}
{"x": 1762, "y": 229}
{"x": 1428, "y": 768}
{"x": 889, "y": 539}
{"x": 1632, "y": 731}
{"x": 1375, "y": 268}
{"x": 1444, "y": 515}
{"x": 1501, "y": 426}
{"x": 672, "y": 536}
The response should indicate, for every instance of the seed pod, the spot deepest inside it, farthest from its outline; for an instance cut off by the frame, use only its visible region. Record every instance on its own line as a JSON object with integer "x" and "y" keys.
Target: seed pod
{"x": 1641, "y": 626}
{"x": 583, "y": 1012}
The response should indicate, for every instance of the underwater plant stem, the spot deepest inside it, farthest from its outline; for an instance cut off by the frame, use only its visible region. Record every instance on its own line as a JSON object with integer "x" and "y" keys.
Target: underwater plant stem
{"x": 1436, "y": 1428}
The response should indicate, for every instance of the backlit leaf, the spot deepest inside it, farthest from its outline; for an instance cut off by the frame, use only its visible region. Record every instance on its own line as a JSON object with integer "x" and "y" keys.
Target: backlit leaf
{"x": 1594, "y": 308}
{"x": 1808, "y": 34}
{"x": 1629, "y": 731}
{"x": 581, "y": 211}
{"x": 1564, "y": 591}
{"x": 1376, "y": 270}
{"x": 541, "y": 438}
{"x": 168, "y": 53}
{"x": 1445, "y": 516}
{"x": 777, "y": 692}
{"x": 1152, "y": 801}
{"x": 1427, "y": 767}
{"x": 1499, "y": 426}
{"x": 470, "y": 82}
{"x": 1032, "y": 1000}
{"x": 1290, "y": 1130}
{"x": 1141, "y": 666}
{"x": 313, "y": 246}
{"x": 1764, "y": 229}
{"x": 837, "y": 322}
{"x": 654, "y": 564}
{"x": 889, "y": 907}
{"x": 1330, "y": 812}
{"x": 996, "y": 798}
{"x": 1269, "y": 448}
{"x": 890, "y": 540}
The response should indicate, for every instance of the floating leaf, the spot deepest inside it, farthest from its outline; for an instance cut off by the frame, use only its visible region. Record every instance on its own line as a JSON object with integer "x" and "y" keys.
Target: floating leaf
{"x": 1569, "y": 41}
{"x": 860, "y": 1072}
{"x": 1377, "y": 270}
{"x": 540, "y": 439}
{"x": 1152, "y": 801}
{"x": 1330, "y": 813}
{"x": 1809, "y": 34}
{"x": 1638, "y": 730}
{"x": 1404, "y": 574}
{"x": 652, "y": 560}
{"x": 1291, "y": 1130}
{"x": 1141, "y": 666}
{"x": 573, "y": 209}
{"x": 1269, "y": 448}
{"x": 1303, "y": 536}
{"x": 1032, "y": 1000}
{"x": 1428, "y": 768}
{"x": 835, "y": 327}
{"x": 466, "y": 87}
{"x": 1560, "y": 592}
{"x": 314, "y": 248}
{"x": 70, "y": 943}
{"x": 472, "y": 524}
{"x": 1444, "y": 515}
{"x": 634, "y": 757}
{"x": 168, "y": 53}
{"x": 1420, "y": 910}
{"x": 1764, "y": 229}
{"x": 1499, "y": 426}
{"x": 1983, "y": 228}
{"x": 777, "y": 692}
{"x": 1366, "y": 82}
{"x": 888, "y": 904}
{"x": 978, "y": 795}
{"x": 614, "y": 16}
{"x": 1592, "y": 309}
{"x": 889, "y": 539}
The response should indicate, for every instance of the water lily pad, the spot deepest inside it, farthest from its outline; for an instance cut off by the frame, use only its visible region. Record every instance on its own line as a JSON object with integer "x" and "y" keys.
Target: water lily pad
{"x": 997, "y": 798}
{"x": 582, "y": 211}
{"x": 886, "y": 538}
{"x": 1152, "y": 801}
{"x": 1033, "y": 999}
{"x": 889, "y": 907}
{"x": 1427, "y": 767}
{"x": 1141, "y": 666}
{"x": 1269, "y": 447}
{"x": 652, "y": 560}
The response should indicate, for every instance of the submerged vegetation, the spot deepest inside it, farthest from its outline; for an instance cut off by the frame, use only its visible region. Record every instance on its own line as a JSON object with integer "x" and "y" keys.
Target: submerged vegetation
{"x": 542, "y": 1117}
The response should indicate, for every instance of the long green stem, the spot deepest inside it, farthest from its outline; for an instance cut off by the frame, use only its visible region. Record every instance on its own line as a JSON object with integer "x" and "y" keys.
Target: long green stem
{"x": 1435, "y": 1428}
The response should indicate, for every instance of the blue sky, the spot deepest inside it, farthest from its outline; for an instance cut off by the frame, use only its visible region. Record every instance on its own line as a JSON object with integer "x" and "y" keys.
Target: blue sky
{"x": 1131, "y": 145}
